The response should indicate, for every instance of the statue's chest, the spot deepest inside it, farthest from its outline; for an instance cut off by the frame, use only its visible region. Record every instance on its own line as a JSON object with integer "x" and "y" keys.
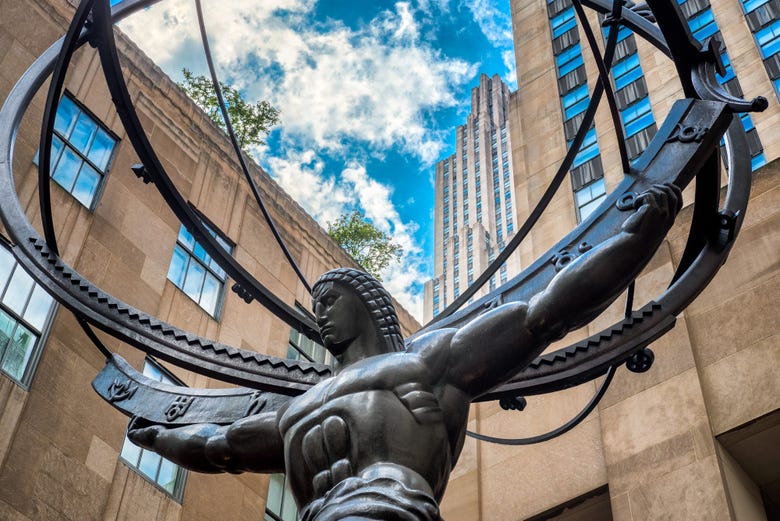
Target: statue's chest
{"x": 402, "y": 375}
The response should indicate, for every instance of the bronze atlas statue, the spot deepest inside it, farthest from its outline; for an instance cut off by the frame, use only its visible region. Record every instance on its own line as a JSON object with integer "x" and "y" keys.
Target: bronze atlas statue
{"x": 378, "y": 439}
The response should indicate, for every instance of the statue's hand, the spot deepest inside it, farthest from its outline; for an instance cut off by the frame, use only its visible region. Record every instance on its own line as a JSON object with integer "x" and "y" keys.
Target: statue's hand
{"x": 144, "y": 436}
{"x": 657, "y": 208}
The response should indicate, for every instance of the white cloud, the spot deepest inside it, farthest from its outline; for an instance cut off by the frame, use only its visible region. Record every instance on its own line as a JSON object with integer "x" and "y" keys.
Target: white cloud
{"x": 336, "y": 86}
{"x": 332, "y": 83}
{"x": 327, "y": 197}
{"x": 301, "y": 175}
{"x": 496, "y": 25}
{"x": 510, "y": 76}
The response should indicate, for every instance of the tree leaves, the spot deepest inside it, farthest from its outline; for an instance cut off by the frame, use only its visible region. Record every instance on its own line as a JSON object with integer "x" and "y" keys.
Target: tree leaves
{"x": 251, "y": 122}
{"x": 372, "y": 248}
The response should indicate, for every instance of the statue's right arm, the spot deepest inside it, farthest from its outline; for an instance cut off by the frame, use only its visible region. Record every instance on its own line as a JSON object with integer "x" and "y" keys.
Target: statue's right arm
{"x": 251, "y": 444}
{"x": 496, "y": 345}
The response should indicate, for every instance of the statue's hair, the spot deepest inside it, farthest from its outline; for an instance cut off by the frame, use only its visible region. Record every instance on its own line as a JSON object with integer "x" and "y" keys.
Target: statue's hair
{"x": 375, "y": 298}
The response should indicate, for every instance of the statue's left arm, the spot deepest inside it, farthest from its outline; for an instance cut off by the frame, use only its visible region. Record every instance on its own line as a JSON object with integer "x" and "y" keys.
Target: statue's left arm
{"x": 496, "y": 345}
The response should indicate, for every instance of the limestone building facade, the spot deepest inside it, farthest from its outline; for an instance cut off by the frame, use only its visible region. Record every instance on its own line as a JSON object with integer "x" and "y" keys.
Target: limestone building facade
{"x": 474, "y": 211}
{"x": 695, "y": 437}
{"x": 63, "y": 453}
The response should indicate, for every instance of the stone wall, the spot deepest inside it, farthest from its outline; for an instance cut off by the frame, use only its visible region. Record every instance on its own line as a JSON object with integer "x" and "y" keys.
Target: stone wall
{"x": 59, "y": 443}
{"x": 657, "y": 439}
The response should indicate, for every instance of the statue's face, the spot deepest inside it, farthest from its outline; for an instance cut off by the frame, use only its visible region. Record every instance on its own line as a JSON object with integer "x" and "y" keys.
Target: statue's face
{"x": 341, "y": 316}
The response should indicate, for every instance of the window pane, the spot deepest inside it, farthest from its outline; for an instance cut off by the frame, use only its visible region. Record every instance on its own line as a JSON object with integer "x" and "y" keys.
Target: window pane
{"x": 149, "y": 464}
{"x": 583, "y": 195}
{"x": 275, "y": 492}
{"x": 101, "y": 149}
{"x": 131, "y": 452}
{"x": 7, "y": 325}
{"x": 82, "y": 134}
{"x": 289, "y": 510}
{"x": 56, "y": 148}
{"x": 200, "y": 253}
{"x": 153, "y": 372}
{"x": 210, "y": 294}
{"x": 18, "y": 352}
{"x": 7, "y": 263}
{"x": 86, "y": 185}
{"x": 586, "y": 210}
{"x": 18, "y": 291}
{"x": 186, "y": 238}
{"x": 38, "y": 308}
{"x": 194, "y": 281}
{"x": 67, "y": 112}
{"x": 222, "y": 242}
{"x": 216, "y": 269}
{"x": 67, "y": 168}
{"x": 178, "y": 266}
{"x": 167, "y": 476}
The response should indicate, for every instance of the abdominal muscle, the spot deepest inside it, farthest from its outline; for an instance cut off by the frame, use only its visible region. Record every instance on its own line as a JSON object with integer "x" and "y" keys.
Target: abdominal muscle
{"x": 377, "y": 433}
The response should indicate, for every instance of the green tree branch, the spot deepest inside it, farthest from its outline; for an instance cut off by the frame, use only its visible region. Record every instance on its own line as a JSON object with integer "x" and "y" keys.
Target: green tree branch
{"x": 251, "y": 121}
{"x": 372, "y": 248}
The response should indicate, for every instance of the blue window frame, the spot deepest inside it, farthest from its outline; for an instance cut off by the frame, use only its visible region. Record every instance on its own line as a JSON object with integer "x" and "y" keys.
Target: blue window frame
{"x": 623, "y": 33}
{"x": 627, "y": 71}
{"x": 752, "y": 5}
{"x": 588, "y": 150}
{"x": 193, "y": 271}
{"x": 81, "y": 152}
{"x": 703, "y": 25}
{"x": 768, "y": 39}
{"x": 563, "y": 22}
{"x": 589, "y": 197}
{"x": 569, "y": 59}
{"x": 25, "y": 315}
{"x": 637, "y": 117}
{"x": 575, "y": 101}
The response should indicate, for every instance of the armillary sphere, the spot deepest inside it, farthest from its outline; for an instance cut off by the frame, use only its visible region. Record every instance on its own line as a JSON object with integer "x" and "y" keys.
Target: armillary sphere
{"x": 687, "y": 146}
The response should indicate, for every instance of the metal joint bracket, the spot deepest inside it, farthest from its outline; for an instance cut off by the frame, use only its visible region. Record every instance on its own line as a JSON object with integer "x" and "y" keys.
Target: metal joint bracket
{"x": 245, "y": 295}
{"x": 142, "y": 173}
{"x": 727, "y": 228}
{"x": 513, "y": 403}
{"x": 641, "y": 361}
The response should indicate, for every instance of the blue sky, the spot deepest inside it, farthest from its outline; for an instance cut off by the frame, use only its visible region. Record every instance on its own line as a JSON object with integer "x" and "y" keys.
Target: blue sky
{"x": 369, "y": 92}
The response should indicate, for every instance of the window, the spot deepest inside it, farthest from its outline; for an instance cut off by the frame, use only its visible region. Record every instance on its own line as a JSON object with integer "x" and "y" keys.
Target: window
{"x": 569, "y": 60}
{"x": 563, "y": 22}
{"x": 627, "y": 71}
{"x": 280, "y": 503}
{"x": 301, "y": 348}
{"x": 81, "y": 152}
{"x": 575, "y": 101}
{"x": 769, "y": 39}
{"x": 165, "y": 474}
{"x": 637, "y": 117}
{"x": 703, "y": 26}
{"x": 194, "y": 272}
{"x": 588, "y": 198}
{"x": 25, "y": 311}
{"x": 762, "y": 17}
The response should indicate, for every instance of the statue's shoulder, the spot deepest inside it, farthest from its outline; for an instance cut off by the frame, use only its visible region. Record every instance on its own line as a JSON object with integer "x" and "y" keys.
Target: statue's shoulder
{"x": 433, "y": 347}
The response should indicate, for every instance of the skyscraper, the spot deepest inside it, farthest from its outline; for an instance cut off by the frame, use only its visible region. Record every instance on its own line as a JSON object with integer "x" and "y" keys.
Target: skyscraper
{"x": 474, "y": 208}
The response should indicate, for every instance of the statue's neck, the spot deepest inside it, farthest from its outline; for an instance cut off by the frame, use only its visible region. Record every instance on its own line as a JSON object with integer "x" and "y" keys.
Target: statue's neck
{"x": 364, "y": 346}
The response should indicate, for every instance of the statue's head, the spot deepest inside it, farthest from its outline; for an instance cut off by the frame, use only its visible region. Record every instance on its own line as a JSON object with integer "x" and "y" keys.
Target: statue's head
{"x": 349, "y": 303}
